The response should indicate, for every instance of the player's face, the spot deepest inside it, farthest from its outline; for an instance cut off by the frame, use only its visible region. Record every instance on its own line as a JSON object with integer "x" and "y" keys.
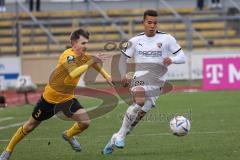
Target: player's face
{"x": 80, "y": 46}
{"x": 150, "y": 25}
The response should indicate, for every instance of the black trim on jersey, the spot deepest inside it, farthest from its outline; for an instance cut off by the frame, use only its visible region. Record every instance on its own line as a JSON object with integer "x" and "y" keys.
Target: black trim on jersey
{"x": 159, "y": 32}
{"x": 125, "y": 54}
{"x": 177, "y": 51}
{"x": 140, "y": 34}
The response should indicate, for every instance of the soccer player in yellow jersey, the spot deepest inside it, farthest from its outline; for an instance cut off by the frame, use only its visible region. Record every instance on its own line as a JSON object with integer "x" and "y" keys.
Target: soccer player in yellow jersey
{"x": 59, "y": 93}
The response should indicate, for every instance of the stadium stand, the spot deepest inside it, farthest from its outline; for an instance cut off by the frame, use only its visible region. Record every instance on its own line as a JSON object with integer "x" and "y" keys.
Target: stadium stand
{"x": 209, "y": 24}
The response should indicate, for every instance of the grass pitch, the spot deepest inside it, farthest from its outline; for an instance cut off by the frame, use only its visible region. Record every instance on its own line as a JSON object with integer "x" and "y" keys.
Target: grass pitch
{"x": 214, "y": 131}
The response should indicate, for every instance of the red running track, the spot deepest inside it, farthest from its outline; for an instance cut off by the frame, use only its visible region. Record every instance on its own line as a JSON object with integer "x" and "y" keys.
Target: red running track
{"x": 13, "y": 98}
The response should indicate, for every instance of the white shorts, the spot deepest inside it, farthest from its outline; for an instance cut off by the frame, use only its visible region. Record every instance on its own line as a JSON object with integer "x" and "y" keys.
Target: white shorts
{"x": 152, "y": 93}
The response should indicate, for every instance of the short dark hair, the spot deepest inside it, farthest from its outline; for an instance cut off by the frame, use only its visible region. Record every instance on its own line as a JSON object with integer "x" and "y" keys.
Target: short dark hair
{"x": 75, "y": 35}
{"x": 150, "y": 12}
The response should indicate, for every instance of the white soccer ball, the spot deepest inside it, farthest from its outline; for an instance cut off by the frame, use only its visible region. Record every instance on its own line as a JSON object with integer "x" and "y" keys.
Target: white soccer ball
{"x": 180, "y": 126}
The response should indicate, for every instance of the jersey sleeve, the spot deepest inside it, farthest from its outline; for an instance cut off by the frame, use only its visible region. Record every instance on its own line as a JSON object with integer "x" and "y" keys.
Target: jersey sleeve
{"x": 129, "y": 49}
{"x": 173, "y": 46}
{"x": 102, "y": 71}
{"x": 178, "y": 56}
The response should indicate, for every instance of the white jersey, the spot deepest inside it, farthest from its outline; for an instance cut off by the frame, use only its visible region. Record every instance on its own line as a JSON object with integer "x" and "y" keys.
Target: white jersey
{"x": 149, "y": 52}
{"x": 151, "y": 49}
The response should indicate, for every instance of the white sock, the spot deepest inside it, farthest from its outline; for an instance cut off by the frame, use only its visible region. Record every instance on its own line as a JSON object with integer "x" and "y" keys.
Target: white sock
{"x": 129, "y": 118}
{"x": 147, "y": 106}
{"x": 114, "y": 136}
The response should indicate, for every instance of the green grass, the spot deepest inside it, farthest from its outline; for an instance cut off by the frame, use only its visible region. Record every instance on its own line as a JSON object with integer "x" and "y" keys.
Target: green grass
{"x": 214, "y": 131}
{"x": 186, "y": 82}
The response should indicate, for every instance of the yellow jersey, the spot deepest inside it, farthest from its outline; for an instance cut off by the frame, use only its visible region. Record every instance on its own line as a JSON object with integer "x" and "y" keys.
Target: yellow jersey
{"x": 59, "y": 90}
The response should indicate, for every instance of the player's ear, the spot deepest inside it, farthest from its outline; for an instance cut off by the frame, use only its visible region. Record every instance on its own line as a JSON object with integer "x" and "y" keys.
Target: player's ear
{"x": 73, "y": 42}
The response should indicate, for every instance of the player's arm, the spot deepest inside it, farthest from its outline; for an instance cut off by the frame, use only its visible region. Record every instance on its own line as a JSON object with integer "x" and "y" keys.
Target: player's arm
{"x": 79, "y": 70}
{"x": 73, "y": 69}
{"x": 179, "y": 58}
{"x": 92, "y": 61}
{"x": 123, "y": 69}
{"x": 104, "y": 73}
{"x": 126, "y": 53}
{"x": 177, "y": 54}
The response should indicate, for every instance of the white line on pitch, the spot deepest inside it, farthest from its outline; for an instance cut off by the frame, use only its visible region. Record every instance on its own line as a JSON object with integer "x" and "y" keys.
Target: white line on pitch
{"x": 135, "y": 135}
{"x": 5, "y": 119}
{"x": 93, "y": 107}
{"x": 12, "y": 125}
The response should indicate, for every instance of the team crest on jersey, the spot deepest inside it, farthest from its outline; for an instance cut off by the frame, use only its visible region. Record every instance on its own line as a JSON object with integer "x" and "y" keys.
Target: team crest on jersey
{"x": 70, "y": 59}
{"x": 159, "y": 45}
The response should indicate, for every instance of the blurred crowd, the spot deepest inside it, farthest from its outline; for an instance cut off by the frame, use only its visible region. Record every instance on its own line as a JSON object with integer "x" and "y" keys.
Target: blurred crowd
{"x": 214, "y": 4}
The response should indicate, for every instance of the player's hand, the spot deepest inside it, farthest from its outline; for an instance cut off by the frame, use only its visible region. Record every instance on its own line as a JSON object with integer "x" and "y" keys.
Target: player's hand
{"x": 125, "y": 82}
{"x": 167, "y": 61}
{"x": 99, "y": 58}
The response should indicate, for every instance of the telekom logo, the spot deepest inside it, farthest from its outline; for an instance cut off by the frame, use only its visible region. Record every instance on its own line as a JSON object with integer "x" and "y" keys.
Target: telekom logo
{"x": 234, "y": 74}
{"x": 221, "y": 73}
{"x": 214, "y": 72}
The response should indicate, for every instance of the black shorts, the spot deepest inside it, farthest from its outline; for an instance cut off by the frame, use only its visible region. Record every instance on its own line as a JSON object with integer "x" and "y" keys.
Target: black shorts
{"x": 45, "y": 110}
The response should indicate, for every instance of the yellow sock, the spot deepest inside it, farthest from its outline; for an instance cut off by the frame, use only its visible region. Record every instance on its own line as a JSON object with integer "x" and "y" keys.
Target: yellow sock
{"x": 76, "y": 129}
{"x": 18, "y": 136}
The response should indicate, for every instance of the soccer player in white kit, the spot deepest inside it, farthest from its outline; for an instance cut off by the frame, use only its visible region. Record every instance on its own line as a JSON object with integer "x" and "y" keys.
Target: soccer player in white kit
{"x": 153, "y": 52}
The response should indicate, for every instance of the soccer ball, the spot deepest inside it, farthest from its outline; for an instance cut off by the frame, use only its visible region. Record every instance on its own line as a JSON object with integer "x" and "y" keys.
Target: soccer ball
{"x": 180, "y": 126}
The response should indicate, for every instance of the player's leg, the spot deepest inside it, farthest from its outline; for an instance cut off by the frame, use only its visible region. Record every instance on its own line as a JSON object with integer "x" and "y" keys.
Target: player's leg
{"x": 42, "y": 111}
{"x": 132, "y": 113}
{"x": 129, "y": 118}
{"x": 132, "y": 116}
{"x": 31, "y": 3}
{"x": 82, "y": 122}
{"x": 146, "y": 101}
{"x": 143, "y": 111}
{"x": 151, "y": 93}
{"x": 82, "y": 119}
{"x": 29, "y": 126}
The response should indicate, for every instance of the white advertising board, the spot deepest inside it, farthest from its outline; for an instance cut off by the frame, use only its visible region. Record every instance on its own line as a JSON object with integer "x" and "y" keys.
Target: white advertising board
{"x": 193, "y": 68}
{"x": 10, "y": 69}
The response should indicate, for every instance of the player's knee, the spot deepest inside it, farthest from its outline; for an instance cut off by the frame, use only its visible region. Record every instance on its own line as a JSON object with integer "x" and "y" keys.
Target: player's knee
{"x": 139, "y": 96}
{"x": 140, "y": 101}
{"x": 85, "y": 124}
{"x": 30, "y": 126}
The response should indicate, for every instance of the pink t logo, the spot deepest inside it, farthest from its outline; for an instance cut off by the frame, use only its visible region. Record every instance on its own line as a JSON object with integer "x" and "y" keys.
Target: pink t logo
{"x": 221, "y": 73}
{"x": 214, "y": 71}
